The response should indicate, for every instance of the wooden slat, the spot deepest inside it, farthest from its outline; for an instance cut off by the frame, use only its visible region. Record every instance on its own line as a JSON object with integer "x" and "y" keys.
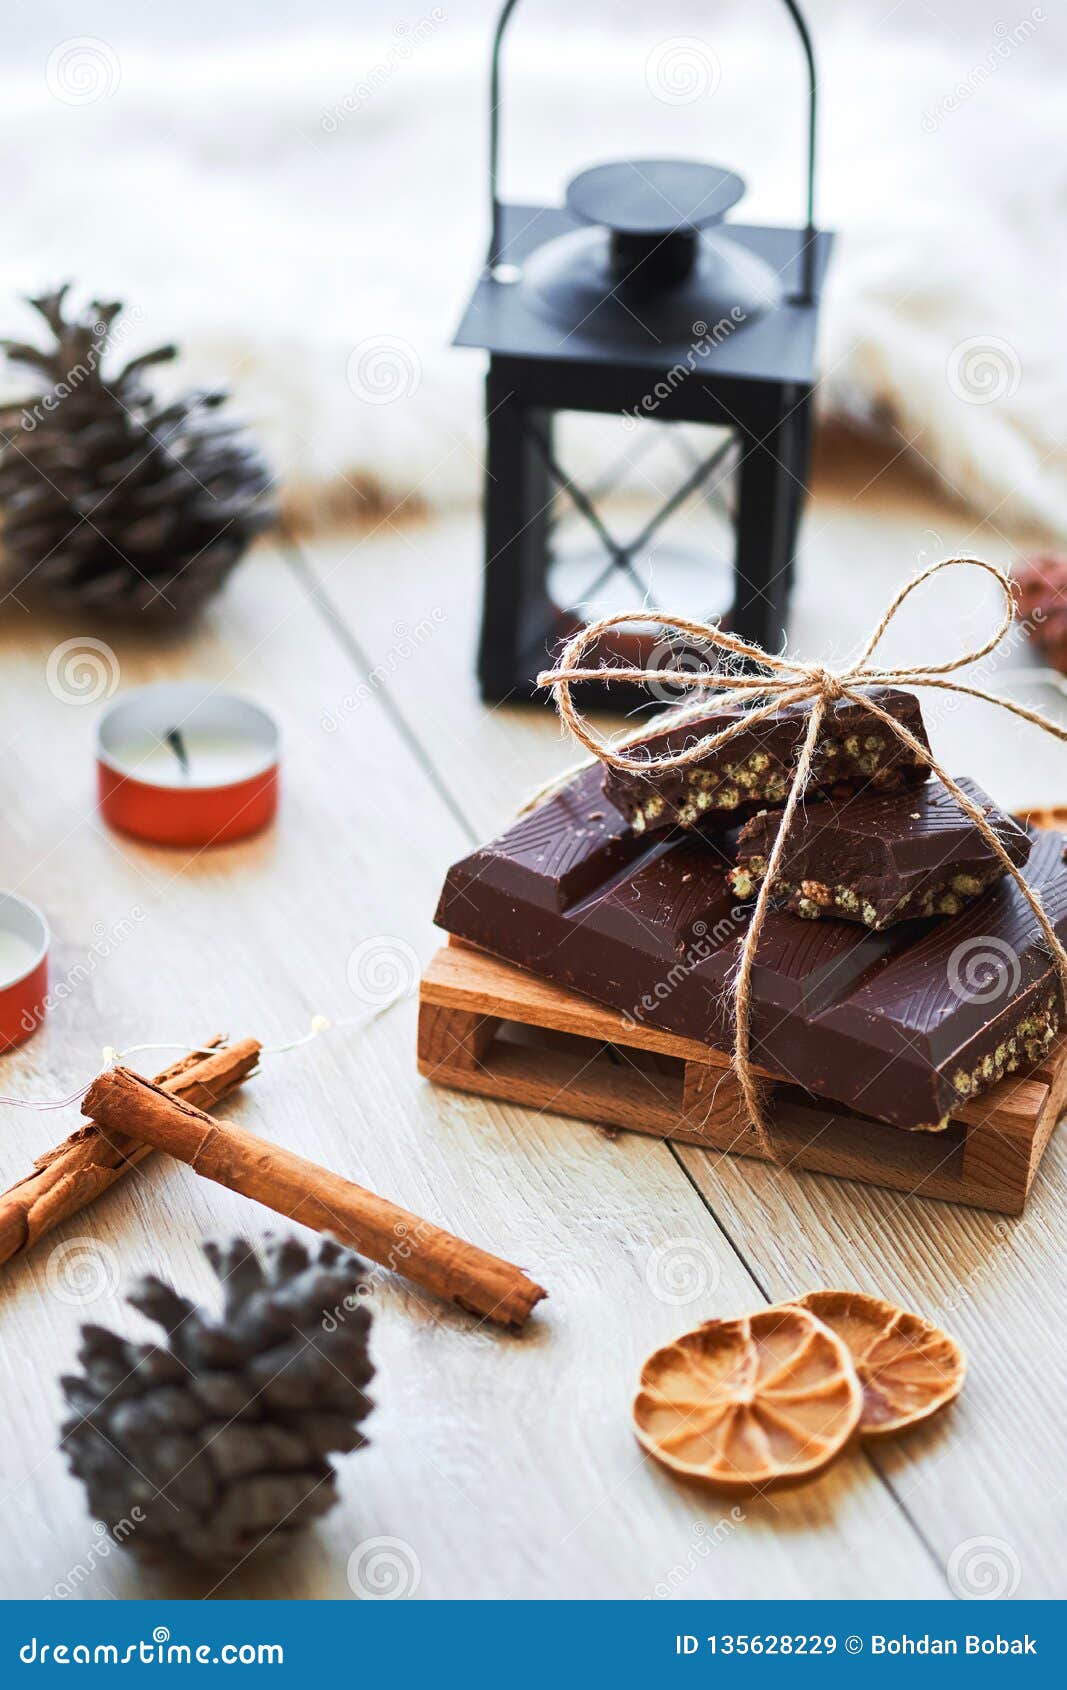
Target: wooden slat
{"x": 462, "y": 977}
{"x": 989, "y": 1164}
{"x": 986, "y": 1471}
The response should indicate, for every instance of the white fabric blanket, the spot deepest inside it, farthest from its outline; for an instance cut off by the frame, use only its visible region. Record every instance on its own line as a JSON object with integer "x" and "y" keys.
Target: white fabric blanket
{"x": 307, "y": 216}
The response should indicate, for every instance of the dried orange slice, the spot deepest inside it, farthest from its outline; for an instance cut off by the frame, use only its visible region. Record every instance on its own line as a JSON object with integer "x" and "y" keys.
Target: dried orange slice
{"x": 744, "y": 1404}
{"x": 1046, "y": 815}
{"x": 907, "y": 1368}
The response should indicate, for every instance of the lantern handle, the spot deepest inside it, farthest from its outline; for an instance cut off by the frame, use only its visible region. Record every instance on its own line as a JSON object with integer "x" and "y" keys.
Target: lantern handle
{"x": 808, "y": 249}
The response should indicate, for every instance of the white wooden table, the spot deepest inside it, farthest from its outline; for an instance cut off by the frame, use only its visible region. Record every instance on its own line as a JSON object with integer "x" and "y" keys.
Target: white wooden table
{"x": 499, "y": 1466}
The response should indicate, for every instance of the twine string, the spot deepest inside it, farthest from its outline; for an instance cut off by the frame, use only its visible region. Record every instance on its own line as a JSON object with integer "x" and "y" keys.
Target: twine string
{"x": 787, "y": 681}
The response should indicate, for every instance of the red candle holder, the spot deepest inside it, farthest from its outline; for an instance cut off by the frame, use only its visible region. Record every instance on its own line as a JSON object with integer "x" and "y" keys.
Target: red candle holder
{"x": 179, "y": 764}
{"x": 24, "y": 940}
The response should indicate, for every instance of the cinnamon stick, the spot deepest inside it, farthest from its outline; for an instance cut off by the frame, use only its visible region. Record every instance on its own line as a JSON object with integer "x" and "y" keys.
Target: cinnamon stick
{"x": 87, "y": 1164}
{"x": 123, "y": 1102}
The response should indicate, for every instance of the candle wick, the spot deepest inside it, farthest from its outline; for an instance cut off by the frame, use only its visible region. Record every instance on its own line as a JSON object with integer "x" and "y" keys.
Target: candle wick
{"x": 177, "y": 744}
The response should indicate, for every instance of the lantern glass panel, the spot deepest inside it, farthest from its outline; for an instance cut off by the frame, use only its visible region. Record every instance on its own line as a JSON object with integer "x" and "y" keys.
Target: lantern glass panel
{"x": 642, "y": 514}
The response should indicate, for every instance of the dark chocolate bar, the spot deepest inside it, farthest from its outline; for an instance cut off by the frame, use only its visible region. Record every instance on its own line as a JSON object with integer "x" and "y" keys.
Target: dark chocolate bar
{"x": 879, "y": 858}
{"x": 855, "y": 751}
{"x": 900, "y": 1025}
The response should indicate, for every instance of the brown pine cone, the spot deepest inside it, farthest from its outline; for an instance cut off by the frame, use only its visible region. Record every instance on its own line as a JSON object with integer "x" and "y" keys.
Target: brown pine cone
{"x": 216, "y": 1442}
{"x": 112, "y": 500}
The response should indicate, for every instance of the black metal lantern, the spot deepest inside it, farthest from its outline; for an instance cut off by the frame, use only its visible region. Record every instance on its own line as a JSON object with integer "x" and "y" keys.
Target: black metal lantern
{"x": 635, "y": 300}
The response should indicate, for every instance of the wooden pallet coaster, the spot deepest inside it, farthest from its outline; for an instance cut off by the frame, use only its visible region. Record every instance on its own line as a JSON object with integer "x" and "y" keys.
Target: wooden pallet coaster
{"x": 488, "y": 1027}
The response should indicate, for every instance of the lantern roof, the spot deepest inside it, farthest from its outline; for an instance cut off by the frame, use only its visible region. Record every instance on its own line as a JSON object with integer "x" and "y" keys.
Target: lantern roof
{"x": 740, "y": 311}
{"x": 653, "y": 196}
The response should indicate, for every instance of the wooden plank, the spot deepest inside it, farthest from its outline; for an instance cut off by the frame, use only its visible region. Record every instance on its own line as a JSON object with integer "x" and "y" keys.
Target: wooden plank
{"x": 984, "y": 1472}
{"x": 426, "y": 581}
{"x": 256, "y": 938}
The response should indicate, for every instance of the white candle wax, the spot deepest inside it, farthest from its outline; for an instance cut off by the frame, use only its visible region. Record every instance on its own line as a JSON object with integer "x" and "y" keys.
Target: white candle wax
{"x": 197, "y": 757}
{"x": 186, "y": 737}
{"x": 17, "y": 957}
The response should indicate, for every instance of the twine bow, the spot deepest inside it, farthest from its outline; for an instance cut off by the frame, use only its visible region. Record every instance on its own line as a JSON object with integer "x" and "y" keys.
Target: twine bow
{"x": 789, "y": 682}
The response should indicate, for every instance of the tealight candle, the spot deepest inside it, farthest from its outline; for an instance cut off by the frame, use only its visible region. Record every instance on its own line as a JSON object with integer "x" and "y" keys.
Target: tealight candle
{"x": 23, "y": 969}
{"x": 179, "y": 764}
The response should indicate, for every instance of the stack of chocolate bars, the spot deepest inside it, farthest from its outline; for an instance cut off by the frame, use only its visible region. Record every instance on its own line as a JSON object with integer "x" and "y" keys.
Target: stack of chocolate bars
{"x": 900, "y": 970}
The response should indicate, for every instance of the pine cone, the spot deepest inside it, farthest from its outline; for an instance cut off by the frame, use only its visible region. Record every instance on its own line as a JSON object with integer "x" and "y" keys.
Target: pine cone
{"x": 110, "y": 500}
{"x": 216, "y": 1443}
{"x": 1041, "y": 585}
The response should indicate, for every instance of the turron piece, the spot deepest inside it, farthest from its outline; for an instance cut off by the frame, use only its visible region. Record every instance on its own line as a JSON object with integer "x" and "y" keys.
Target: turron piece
{"x": 904, "y": 1025}
{"x": 855, "y": 753}
{"x": 880, "y": 858}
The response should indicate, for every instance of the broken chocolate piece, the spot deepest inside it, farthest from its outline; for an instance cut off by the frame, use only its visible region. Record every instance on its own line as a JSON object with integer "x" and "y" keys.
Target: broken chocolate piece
{"x": 879, "y": 858}
{"x": 900, "y": 1025}
{"x": 855, "y": 752}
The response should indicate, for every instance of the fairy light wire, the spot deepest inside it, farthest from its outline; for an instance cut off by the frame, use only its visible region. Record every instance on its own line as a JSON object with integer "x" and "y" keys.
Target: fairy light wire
{"x": 320, "y": 1024}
